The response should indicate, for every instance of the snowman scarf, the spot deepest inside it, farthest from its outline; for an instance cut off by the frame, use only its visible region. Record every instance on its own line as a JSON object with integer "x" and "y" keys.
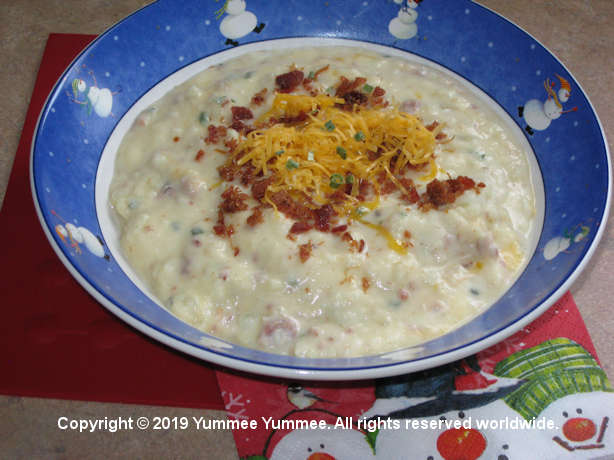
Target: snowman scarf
{"x": 539, "y": 394}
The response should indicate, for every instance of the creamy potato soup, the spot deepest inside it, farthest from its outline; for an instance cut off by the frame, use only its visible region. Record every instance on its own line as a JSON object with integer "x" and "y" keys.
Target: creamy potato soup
{"x": 323, "y": 202}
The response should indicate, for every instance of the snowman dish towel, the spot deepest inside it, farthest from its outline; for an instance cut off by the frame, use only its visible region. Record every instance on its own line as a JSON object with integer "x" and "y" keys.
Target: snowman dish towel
{"x": 540, "y": 394}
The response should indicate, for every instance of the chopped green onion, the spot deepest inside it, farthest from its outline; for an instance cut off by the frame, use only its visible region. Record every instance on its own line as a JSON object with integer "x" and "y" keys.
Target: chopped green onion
{"x": 311, "y": 75}
{"x": 349, "y": 178}
{"x": 175, "y": 225}
{"x": 329, "y": 125}
{"x": 341, "y": 152}
{"x": 310, "y": 156}
{"x": 197, "y": 231}
{"x": 248, "y": 74}
{"x": 367, "y": 88}
{"x": 361, "y": 211}
{"x": 329, "y": 90}
{"x": 291, "y": 164}
{"x": 359, "y": 136}
{"x": 203, "y": 118}
{"x": 280, "y": 152}
{"x": 220, "y": 99}
{"x": 336, "y": 180}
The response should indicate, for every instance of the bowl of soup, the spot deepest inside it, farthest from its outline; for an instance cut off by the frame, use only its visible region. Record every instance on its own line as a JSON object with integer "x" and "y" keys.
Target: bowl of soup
{"x": 321, "y": 198}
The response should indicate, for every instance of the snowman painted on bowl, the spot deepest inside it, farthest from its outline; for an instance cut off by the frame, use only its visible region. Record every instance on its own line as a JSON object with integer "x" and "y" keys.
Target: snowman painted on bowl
{"x": 74, "y": 237}
{"x": 556, "y": 381}
{"x": 538, "y": 115}
{"x": 238, "y": 22}
{"x": 100, "y": 100}
{"x": 403, "y": 26}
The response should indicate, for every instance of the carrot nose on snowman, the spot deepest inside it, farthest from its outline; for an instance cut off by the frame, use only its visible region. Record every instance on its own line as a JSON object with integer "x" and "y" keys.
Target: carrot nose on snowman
{"x": 320, "y": 456}
{"x": 579, "y": 429}
{"x": 461, "y": 443}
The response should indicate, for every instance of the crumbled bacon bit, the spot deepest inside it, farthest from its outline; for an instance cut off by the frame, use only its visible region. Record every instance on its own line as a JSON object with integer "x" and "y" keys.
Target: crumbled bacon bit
{"x": 215, "y": 133}
{"x": 246, "y": 173}
{"x": 287, "y": 82}
{"x": 304, "y": 251}
{"x": 432, "y": 126}
{"x": 291, "y": 208}
{"x": 339, "y": 196}
{"x": 353, "y": 98}
{"x": 295, "y": 120}
{"x": 365, "y": 190}
{"x": 300, "y": 227}
{"x": 258, "y": 98}
{"x": 234, "y": 200}
{"x": 378, "y": 92}
{"x": 256, "y": 217}
{"x": 347, "y": 237}
{"x": 439, "y": 193}
{"x": 346, "y": 86}
{"x": 236, "y": 251}
{"x": 259, "y": 188}
{"x": 365, "y": 284}
{"x": 387, "y": 186}
{"x": 339, "y": 229}
{"x": 376, "y": 98}
{"x": 220, "y": 228}
{"x": 231, "y": 144}
{"x": 227, "y": 171}
{"x": 322, "y": 217}
{"x": 199, "y": 155}
{"x": 413, "y": 196}
{"x": 176, "y": 139}
{"x": 361, "y": 245}
{"x": 241, "y": 113}
{"x": 240, "y": 127}
{"x": 407, "y": 234}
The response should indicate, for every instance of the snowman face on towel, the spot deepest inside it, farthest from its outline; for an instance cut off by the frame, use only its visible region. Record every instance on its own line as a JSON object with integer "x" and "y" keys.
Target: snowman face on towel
{"x": 581, "y": 422}
{"x": 325, "y": 444}
{"x": 449, "y": 443}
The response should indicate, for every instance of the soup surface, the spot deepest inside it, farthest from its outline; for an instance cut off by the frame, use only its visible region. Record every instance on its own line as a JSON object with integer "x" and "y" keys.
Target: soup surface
{"x": 323, "y": 202}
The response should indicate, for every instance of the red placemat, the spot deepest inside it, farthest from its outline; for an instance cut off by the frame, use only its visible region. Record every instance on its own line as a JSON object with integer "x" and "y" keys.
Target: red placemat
{"x": 57, "y": 341}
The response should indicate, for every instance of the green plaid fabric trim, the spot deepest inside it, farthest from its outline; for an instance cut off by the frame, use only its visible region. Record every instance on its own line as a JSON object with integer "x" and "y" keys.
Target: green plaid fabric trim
{"x": 549, "y": 356}
{"x": 553, "y": 369}
{"x": 533, "y": 397}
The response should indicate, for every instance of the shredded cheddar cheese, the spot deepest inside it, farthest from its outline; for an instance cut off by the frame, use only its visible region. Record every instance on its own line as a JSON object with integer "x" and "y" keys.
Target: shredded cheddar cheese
{"x": 330, "y": 146}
